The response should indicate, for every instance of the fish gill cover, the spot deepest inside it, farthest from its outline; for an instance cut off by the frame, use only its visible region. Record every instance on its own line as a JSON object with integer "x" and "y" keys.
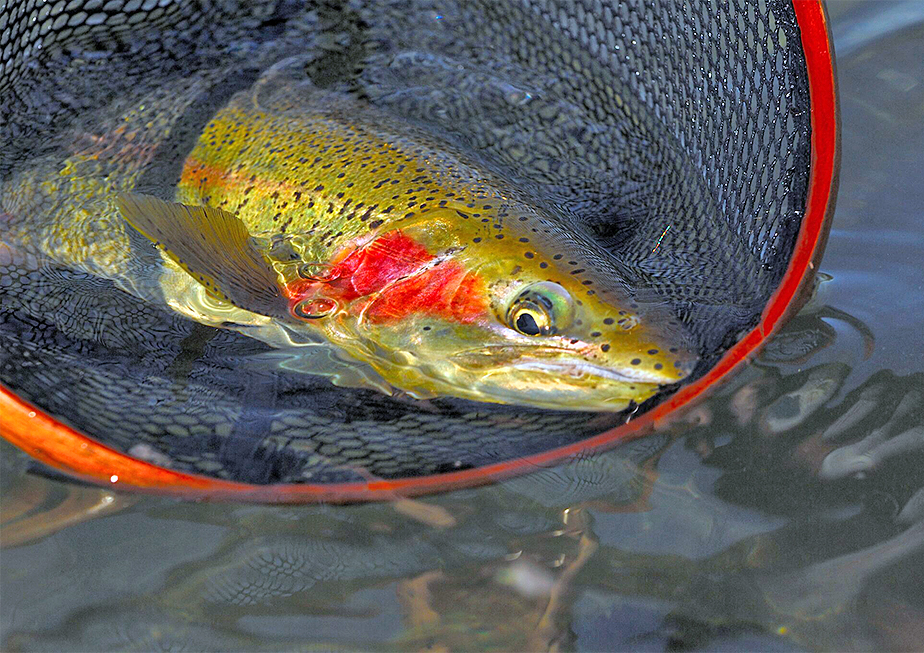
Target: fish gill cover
{"x": 668, "y": 144}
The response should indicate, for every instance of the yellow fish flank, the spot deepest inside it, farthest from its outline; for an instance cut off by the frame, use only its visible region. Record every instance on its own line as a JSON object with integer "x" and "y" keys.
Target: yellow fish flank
{"x": 336, "y": 223}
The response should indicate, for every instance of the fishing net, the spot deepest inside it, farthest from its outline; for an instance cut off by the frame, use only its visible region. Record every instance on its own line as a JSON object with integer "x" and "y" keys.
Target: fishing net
{"x": 677, "y": 134}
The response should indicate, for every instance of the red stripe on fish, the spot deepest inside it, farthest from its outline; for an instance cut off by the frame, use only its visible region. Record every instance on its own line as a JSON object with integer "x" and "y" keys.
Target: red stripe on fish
{"x": 404, "y": 277}
{"x": 445, "y": 290}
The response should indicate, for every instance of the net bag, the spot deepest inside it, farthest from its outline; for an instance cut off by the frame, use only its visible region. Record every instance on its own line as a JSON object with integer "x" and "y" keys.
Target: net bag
{"x": 696, "y": 142}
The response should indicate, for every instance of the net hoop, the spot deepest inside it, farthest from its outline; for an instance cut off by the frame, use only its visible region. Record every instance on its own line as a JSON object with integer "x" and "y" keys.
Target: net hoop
{"x": 69, "y": 451}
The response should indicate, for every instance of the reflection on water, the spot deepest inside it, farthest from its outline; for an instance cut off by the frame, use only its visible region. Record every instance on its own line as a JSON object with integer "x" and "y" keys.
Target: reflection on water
{"x": 784, "y": 513}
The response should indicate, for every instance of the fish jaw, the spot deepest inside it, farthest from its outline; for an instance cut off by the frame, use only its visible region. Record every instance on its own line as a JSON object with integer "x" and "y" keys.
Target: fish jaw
{"x": 580, "y": 369}
{"x": 563, "y": 376}
{"x": 550, "y": 383}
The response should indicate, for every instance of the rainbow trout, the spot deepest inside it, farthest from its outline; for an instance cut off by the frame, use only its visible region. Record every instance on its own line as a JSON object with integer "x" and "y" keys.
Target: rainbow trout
{"x": 330, "y": 222}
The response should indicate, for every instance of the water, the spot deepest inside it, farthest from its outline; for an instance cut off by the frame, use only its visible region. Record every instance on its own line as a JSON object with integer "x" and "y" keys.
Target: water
{"x": 787, "y": 514}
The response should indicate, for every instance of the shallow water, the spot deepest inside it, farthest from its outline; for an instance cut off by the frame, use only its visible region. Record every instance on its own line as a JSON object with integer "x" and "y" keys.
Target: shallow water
{"x": 788, "y": 514}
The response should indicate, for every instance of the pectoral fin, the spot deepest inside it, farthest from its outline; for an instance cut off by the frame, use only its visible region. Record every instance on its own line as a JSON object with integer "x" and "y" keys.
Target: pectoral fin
{"x": 211, "y": 245}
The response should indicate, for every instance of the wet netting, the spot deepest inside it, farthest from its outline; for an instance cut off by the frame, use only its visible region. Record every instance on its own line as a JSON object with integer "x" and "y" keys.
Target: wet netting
{"x": 676, "y": 134}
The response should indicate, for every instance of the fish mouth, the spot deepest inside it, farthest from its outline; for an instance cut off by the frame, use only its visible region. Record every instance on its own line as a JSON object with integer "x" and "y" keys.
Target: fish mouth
{"x": 579, "y": 370}
{"x": 513, "y": 357}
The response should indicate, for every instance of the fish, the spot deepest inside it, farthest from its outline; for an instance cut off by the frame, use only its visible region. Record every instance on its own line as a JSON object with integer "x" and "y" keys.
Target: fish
{"x": 330, "y": 218}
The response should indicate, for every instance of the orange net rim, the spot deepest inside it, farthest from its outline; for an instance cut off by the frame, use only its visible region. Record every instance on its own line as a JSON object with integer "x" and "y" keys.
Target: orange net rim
{"x": 75, "y": 454}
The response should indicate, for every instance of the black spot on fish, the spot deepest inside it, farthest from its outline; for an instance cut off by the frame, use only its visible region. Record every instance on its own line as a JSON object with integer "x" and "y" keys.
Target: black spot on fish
{"x": 605, "y": 347}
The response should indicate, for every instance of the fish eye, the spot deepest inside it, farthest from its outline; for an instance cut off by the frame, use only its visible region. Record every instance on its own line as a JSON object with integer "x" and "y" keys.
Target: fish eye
{"x": 530, "y": 320}
{"x": 541, "y": 309}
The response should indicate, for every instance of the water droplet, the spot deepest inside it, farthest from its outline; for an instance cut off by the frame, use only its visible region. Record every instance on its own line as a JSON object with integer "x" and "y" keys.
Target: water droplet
{"x": 517, "y": 97}
{"x": 316, "y": 272}
{"x": 314, "y": 308}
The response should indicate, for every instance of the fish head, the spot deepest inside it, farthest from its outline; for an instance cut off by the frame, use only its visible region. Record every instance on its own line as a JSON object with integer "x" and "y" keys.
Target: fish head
{"x": 442, "y": 307}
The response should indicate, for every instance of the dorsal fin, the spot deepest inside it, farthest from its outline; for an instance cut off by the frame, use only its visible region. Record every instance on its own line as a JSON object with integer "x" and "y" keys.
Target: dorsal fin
{"x": 211, "y": 245}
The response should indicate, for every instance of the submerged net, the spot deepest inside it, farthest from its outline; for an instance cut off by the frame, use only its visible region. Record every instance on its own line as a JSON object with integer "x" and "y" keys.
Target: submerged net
{"x": 676, "y": 133}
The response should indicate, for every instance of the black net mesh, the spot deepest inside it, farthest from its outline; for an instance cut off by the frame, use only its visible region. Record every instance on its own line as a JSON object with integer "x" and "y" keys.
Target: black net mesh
{"x": 676, "y": 133}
